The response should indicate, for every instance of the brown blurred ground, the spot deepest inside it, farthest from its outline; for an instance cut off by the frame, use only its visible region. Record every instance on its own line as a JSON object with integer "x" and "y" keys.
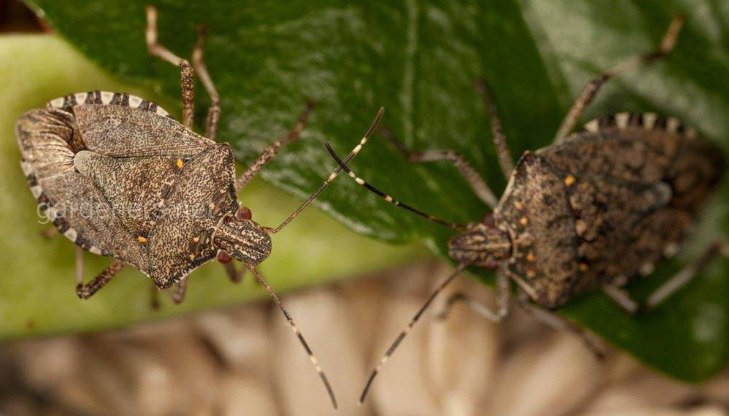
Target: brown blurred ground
{"x": 245, "y": 361}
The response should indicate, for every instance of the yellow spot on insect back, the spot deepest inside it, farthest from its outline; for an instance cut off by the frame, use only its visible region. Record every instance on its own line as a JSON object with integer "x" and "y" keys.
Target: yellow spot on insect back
{"x": 142, "y": 239}
{"x": 179, "y": 163}
{"x": 569, "y": 180}
{"x": 531, "y": 256}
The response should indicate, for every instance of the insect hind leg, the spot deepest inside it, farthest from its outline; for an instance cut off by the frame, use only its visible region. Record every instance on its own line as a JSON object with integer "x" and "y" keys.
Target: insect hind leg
{"x": 555, "y": 321}
{"x": 632, "y": 306}
{"x": 180, "y": 290}
{"x": 186, "y": 72}
{"x": 86, "y": 290}
{"x": 593, "y": 87}
{"x": 621, "y": 298}
{"x": 686, "y": 275}
{"x": 49, "y": 233}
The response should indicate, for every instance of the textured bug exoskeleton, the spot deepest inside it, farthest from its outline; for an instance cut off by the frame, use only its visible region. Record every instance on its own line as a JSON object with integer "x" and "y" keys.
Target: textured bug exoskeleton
{"x": 594, "y": 210}
{"x": 118, "y": 176}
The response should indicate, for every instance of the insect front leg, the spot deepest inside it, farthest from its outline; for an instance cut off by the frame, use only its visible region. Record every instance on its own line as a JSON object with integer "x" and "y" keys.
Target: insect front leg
{"x": 557, "y": 322}
{"x": 474, "y": 180}
{"x": 187, "y": 78}
{"x": 688, "y": 273}
{"x": 271, "y": 151}
{"x": 211, "y": 129}
{"x": 497, "y": 132}
{"x": 503, "y": 295}
{"x": 592, "y": 87}
{"x": 233, "y": 273}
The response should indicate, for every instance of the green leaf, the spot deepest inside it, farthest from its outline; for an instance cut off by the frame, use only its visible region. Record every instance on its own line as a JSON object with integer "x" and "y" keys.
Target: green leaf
{"x": 37, "y": 294}
{"x": 420, "y": 59}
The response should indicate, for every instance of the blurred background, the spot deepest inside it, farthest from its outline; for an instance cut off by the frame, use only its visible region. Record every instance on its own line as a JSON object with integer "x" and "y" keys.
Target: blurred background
{"x": 218, "y": 356}
{"x": 244, "y": 361}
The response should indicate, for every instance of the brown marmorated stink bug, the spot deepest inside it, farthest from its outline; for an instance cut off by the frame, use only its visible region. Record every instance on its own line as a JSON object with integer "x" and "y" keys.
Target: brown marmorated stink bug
{"x": 594, "y": 210}
{"x": 118, "y": 176}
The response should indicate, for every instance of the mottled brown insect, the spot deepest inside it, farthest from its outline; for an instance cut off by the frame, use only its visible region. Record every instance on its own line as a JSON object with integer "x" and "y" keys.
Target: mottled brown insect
{"x": 118, "y": 176}
{"x": 594, "y": 210}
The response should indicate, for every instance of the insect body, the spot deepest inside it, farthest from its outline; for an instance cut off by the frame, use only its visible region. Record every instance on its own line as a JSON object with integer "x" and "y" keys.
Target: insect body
{"x": 125, "y": 180}
{"x": 121, "y": 178}
{"x": 598, "y": 209}
{"x": 592, "y": 211}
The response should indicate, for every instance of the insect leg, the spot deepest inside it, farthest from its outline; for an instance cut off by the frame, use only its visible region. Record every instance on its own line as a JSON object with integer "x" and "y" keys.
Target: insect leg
{"x": 592, "y": 87}
{"x": 79, "y": 252}
{"x": 503, "y": 294}
{"x": 49, "y": 233}
{"x": 407, "y": 330}
{"x": 271, "y": 151}
{"x": 296, "y": 331}
{"x": 211, "y": 129}
{"x": 187, "y": 83}
{"x": 687, "y": 274}
{"x": 474, "y": 180}
{"x": 154, "y": 302}
{"x": 497, "y": 133}
{"x": 621, "y": 298}
{"x": 178, "y": 296}
{"x": 234, "y": 274}
{"x": 85, "y": 291}
{"x": 557, "y": 322}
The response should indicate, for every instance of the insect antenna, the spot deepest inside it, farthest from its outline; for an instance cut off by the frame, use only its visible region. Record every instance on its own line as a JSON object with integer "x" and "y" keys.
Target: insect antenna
{"x": 298, "y": 334}
{"x": 335, "y": 172}
{"x": 407, "y": 330}
{"x": 388, "y": 198}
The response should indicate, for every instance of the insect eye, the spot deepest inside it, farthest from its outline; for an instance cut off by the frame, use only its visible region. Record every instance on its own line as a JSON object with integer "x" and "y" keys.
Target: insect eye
{"x": 243, "y": 213}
